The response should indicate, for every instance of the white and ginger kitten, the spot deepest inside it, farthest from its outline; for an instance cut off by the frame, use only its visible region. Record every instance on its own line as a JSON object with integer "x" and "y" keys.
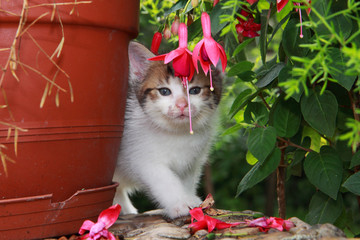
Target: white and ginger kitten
{"x": 158, "y": 155}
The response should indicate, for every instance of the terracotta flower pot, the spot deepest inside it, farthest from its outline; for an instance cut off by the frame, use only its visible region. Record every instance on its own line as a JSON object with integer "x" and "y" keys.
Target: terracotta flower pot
{"x": 66, "y": 159}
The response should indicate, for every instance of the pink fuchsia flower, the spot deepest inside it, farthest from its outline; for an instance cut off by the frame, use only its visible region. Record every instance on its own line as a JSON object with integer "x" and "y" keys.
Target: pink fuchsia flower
{"x": 215, "y": 2}
{"x": 206, "y": 222}
{"x": 182, "y": 63}
{"x": 265, "y": 224}
{"x": 100, "y": 228}
{"x": 280, "y": 4}
{"x": 155, "y": 44}
{"x": 208, "y": 51}
{"x": 247, "y": 28}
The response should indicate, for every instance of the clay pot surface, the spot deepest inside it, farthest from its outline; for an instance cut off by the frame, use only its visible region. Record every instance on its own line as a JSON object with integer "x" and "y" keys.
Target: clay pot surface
{"x": 71, "y": 147}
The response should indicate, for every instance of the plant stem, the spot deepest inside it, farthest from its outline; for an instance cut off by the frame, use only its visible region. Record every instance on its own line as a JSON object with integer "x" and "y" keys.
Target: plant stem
{"x": 280, "y": 186}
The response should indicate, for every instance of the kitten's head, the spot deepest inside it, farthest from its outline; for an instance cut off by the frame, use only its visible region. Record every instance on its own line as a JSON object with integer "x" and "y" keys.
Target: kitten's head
{"x": 163, "y": 97}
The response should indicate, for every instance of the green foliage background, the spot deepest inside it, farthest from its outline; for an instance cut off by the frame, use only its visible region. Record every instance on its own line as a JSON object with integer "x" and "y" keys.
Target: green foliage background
{"x": 291, "y": 105}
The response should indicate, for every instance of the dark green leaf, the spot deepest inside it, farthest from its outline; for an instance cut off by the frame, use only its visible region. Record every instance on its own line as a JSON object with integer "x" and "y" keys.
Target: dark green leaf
{"x": 324, "y": 170}
{"x": 246, "y": 76}
{"x": 291, "y": 39}
{"x": 286, "y": 117}
{"x": 284, "y": 75}
{"x": 320, "y": 111}
{"x": 353, "y": 183}
{"x": 261, "y": 142}
{"x": 260, "y": 171}
{"x": 241, "y": 101}
{"x": 179, "y": 5}
{"x": 323, "y": 209}
{"x": 256, "y": 112}
{"x": 355, "y": 160}
{"x": 270, "y": 75}
{"x": 240, "y": 67}
{"x": 338, "y": 67}
{"x": 263, "y": 34}
{"x": 242, "y": 46}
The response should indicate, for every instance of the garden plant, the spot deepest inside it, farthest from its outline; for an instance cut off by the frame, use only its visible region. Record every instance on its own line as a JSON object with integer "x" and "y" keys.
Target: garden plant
{"x": 293, "y": 81}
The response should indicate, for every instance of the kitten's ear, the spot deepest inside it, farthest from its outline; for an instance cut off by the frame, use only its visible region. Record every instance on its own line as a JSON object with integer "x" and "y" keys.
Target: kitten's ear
{"x": 138, "y": 61}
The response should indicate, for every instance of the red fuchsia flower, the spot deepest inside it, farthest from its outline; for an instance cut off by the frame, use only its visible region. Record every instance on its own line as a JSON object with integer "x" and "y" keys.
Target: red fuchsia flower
{"x": 208, "y": 51}
{"x": 206, "y": 222}
{"x": 182, "y": 62}
{"x": 100, "y": 228}
{"x": 175, "y": 26}
{"x": 280, "y": 4}
{"x": 247, "y": 28}
{"x": 215, "y": 2}
{"x": 155, "y": 44}
{"x": 167, "y": 32}
{"x": 264, "y": 224}
{"x": 251, "y": 1}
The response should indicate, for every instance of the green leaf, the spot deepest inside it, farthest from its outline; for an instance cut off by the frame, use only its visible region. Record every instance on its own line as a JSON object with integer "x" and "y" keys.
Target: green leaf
{"x": 263, "y": 34}
{"x": 270, "y": 75}
{"x": 320, "y": 111}
{"x": 355, "y": 160}
{"x": 232, "y": 129}
{"x": 323, "y": 209}
{"x": 338, "y": 67}
{"x": 259, "y": 172}
{"x": 250, "y": 159}
{"x": 285, "y": 75}
{"x": 240, "y": 67}
{"x": 261, "y": 142}
{"x": 324, "y": 170}
{"x": 241, "y": 101}
{"x": 256, "y": 112}
{"x": 242, "y": 46}
{"x": 291, "y": 39}
{"x": 286, "y": 117}
{"x": 353, "y": 183}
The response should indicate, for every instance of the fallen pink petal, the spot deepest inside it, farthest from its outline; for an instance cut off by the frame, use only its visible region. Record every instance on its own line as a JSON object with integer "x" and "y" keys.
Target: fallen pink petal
{"x": 100, "y": 229}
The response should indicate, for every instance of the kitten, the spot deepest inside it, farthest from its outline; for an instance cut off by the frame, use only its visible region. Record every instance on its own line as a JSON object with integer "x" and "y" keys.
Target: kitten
{"x": 158, "y": 154}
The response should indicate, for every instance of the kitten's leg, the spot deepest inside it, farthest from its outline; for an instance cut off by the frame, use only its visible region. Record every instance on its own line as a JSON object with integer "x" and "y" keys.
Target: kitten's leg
{"x": 168, "y": 190}
{"x": 121, "y": 195}
{"x": 122, "y": 198}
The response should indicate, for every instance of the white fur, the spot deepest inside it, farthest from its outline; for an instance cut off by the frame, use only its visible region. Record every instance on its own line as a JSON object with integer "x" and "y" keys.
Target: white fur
{"x": 159, "y": 155}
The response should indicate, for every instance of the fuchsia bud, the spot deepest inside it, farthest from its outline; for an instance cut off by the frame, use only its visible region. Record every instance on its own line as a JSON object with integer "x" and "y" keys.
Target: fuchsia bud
{"x": 167, "y": 32}
{"x": 175, "y": 26}
{"x": 215, "y": 2}
{"x": 155, "y": 44}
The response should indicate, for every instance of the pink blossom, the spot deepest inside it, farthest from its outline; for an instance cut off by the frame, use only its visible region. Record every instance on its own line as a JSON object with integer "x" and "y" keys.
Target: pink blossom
{"x": 100, "y": 228}
{"x": 175, "y": 26}
{"x": 264, "y": 224}
{"x": 167, "y": 32}
{"x": 208, "y": 51}
{"x": 182, "y": 62}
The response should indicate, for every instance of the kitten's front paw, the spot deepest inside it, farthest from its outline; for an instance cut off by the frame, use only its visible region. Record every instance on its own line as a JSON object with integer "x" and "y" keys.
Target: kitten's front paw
{"x": 182, "y": 207}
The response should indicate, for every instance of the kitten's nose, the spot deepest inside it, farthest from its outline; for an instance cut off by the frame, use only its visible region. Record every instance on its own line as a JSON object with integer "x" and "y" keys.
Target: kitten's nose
{"x": 181, "y": 103}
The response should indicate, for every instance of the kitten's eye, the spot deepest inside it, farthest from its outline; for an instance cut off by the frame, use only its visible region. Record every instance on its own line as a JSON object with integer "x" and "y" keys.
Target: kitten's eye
{"x": 195, "y": 90}
{"x": 164, "y": 91}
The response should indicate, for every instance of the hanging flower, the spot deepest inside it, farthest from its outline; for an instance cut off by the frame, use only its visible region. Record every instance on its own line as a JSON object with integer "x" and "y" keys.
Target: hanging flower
{"x": 280, "y": 4}
{"x": 155, "y": 44}
{"x": 251, "y": 1}
{"x": 208, "y": 51}
{"x": 215, "y": 2}
{"x": 100, "y": 228}
{"x": 182, "y": 63}
{"x": 247, "y": 28}
{"x": 206, "y": 222}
